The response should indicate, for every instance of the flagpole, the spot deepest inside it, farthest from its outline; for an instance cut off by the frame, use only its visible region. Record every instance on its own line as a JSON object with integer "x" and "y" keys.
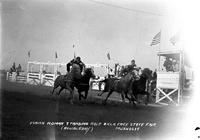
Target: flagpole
{"x": 55, "y": 66}
{"x": 28, "y": 60}
{"x": 74, "y": 51}
{"x": 108, "y": 56}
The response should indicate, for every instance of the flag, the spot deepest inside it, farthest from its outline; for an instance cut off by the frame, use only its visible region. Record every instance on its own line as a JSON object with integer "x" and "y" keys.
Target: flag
{"x": 29, "y": 54}
{"x": 108, "y": 56}
{"x": 174, "y": 39}
{"x": 156, "y": 39}
{"x": 56, "y": 55}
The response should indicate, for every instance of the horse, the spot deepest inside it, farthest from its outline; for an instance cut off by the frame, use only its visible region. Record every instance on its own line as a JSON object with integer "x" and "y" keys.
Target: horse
{"x": 68, "y": 81}
{"x": 139, "y": 86}
{"x": 122, "y": 86}
{"x": 108, "y": 84}
{"x": 82, "y": 84}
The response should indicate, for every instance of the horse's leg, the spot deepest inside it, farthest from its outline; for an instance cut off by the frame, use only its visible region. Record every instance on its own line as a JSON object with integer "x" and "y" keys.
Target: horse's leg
{"x": 86, "y": 93}
{"x": 79, "y": 93}
{"x": 136, "y": 97}
{"x": 72, "y": 96}
{"x": 147, "y": 100}
{"x": 54, "y": 89}
{"x": 126, "y": 96}
{"x": 60, "y": 90}
{"x": 71, "y": 92}
{"x": 122, "y": 97}
{"x": 109, "y": 93}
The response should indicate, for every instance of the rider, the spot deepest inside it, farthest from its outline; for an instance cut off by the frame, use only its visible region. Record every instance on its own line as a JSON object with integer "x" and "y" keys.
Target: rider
{"x": 168, "y": 64}
{"x": 129, "y": 68}
{"x": 78, "y": 61}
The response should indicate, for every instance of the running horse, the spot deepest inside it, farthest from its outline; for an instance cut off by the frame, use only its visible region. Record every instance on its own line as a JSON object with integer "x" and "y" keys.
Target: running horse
{"x": 83, "y": 85}
{"x": 68, "y": 81}
{"x": 139, "y": 86}
{"x": 122, "y": 86}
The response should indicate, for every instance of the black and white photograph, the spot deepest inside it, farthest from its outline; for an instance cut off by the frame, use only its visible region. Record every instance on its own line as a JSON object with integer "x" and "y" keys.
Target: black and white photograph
{"x": 99, "y": 70}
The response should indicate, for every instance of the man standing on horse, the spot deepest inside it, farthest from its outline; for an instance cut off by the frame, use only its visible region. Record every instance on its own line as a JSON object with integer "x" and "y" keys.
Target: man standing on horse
{"x": 77, "y": 61}
{"x": 73, "y": 76}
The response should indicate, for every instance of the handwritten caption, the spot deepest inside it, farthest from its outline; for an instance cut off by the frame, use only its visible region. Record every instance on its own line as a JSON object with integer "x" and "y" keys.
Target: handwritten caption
{"x": 90, "y": 126}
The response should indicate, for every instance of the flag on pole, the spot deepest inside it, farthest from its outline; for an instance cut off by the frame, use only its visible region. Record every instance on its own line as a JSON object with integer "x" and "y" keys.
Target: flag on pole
{"x": 108, "y": 56}
{"x": 156, "y": 39}
{"x": 29, "y": 54}
{"x": 175, "y": 38}
{"x": 56, "y": 55}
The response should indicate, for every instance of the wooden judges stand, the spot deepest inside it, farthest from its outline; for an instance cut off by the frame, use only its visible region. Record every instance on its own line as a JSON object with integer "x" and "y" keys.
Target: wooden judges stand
{"x": 170, "y": 83}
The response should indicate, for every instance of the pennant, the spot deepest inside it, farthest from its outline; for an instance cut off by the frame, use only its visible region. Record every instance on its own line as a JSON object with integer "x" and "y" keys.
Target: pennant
{"x": 56, "y": 55}
{"x": 29, "y": 54}
{"x": 108, "y": 56}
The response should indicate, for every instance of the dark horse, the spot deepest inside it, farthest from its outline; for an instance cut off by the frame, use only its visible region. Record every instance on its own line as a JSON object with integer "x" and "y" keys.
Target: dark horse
{"x": 83, "y": 84}
{"x": 122, "y": 86}
{"x": 139, "y": 86}
{"x": 74, "y": 79}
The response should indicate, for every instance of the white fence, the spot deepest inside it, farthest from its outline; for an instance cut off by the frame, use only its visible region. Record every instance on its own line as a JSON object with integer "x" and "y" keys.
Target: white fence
{"x": 48, "y": 79}
{"x": 32, "y": 78}
{"x": 38, "y": 77}
{"x": 13, "y": 77}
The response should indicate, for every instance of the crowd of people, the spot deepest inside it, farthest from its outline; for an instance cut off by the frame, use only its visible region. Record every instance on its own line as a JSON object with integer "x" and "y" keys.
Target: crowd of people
{"x": 15, "y": 69}
{"x": 171, "y": 64}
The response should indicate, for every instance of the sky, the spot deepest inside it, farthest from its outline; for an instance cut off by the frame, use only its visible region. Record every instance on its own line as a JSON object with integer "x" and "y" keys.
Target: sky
{"x": 124, "y": 29}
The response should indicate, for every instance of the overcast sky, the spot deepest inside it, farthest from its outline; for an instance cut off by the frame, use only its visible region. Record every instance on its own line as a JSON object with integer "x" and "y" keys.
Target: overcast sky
{"x": 123, "y": 28}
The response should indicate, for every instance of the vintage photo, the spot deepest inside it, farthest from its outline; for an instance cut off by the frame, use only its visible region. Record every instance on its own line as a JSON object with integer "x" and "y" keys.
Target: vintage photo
{"x": 97, "y": 69}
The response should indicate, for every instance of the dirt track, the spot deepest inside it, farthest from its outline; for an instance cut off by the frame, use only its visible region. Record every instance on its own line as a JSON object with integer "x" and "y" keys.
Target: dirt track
{"x": 23, "y": 104}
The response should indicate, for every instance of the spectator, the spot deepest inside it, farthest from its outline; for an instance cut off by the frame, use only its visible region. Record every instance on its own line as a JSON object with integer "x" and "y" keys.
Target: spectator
{"x": 168, "y": 64}
{"x": 18, "y": 69}
{"x": 13, "y": 68}
{"x": 175, "y": 65}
